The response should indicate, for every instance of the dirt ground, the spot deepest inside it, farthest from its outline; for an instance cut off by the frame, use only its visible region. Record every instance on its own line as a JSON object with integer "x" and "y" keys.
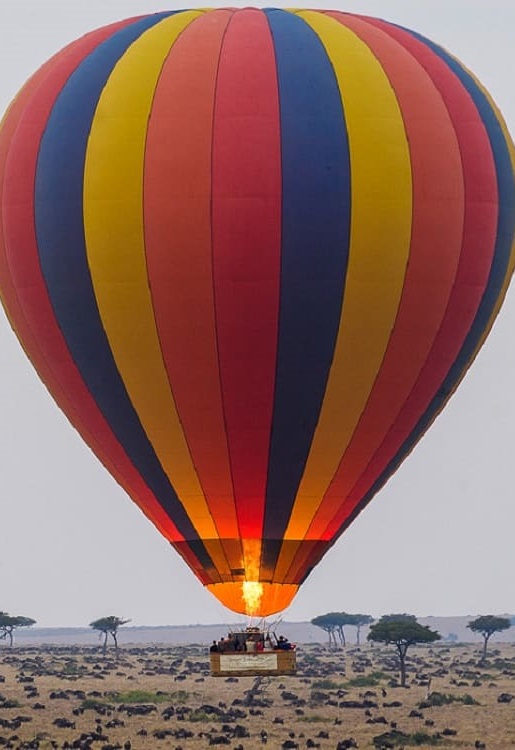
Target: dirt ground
{"x": 163, "y": 697}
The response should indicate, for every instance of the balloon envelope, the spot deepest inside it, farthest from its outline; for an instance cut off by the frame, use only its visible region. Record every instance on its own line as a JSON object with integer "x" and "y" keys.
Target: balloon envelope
{"x": 251, "y": 253}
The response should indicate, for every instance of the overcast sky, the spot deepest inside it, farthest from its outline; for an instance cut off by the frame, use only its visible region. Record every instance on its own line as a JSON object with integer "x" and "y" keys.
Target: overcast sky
{"x": 437, "y": 540}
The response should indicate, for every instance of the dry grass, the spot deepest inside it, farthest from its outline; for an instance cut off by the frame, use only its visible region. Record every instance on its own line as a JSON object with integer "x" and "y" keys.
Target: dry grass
{"x": 102, "y": 697}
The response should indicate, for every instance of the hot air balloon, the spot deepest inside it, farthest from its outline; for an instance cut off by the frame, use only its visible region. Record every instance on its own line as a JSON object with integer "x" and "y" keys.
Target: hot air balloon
{"x": 252, "y": 253}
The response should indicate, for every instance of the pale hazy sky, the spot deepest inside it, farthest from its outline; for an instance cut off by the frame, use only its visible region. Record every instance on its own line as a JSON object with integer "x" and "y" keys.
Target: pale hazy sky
{"x": 438, "y": 539}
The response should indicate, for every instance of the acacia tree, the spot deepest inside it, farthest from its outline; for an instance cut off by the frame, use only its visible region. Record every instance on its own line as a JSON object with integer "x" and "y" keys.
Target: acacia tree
{"x": 334, "y": 624}
{"x": 109, "y": 627}
{"x": 404, "y": 616}
{"x": 327, "y": 623}
{"x": 341, "y": 619}
{"x": 402, "y": 633}
{"x": 9, "y": 623}
{"x": 487, "y": 625}
{"x": 358, "y": 621}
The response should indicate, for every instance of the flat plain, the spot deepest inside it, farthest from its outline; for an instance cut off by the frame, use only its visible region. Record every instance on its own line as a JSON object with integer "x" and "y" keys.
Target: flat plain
{"x": 161, "y": 696}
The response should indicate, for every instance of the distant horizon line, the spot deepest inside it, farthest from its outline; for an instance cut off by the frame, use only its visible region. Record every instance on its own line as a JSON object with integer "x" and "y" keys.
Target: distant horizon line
{"x": 224, "y": 623}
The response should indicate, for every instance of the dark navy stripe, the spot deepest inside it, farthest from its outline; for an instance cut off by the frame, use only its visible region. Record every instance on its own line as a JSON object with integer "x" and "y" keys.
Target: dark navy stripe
{"x": 505, "y": 226}
{"x": 315, "y": 241}
{"x": 62, "y": 251}
{"x": 497, "y": 276}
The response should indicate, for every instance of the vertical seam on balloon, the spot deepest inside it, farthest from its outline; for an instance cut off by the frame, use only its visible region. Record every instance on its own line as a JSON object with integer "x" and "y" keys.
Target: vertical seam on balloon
{"x": 442, "y": 54}
{"x": 150, "y": 288}
{"x": 60, "y": 395}
{"x": 158, "y": 500}
{"x": 229, "y": 460}
{"x": 403, "y": 451}
{"x": 105, "y": 458}
{"x": 279, "y": 105}
{"x": 101, "y": 322}
{"x": 329, "y": 362}
{"x": 27, "y": 323}
{"x": 284, "y": 542}
{"x": 387, "y": 474}
{"x": 401, "y": 113}
{"x": 301, "y": 550}
{"x": 373, "y": 384}
{"x": 510, "y": 266}
{"x": 301, "y": 542}
{"x": 465, "y": 212}
{"x": 7, "y": 260}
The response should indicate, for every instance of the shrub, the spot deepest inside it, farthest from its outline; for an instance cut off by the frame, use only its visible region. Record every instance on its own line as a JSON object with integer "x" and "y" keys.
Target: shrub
{"x": 133, "y": 697}
{"x": 422, "y": 738}
{"x": 326, "y": 685}
{"x": 95, "y": 704}
{"x": 366, "y": 680}
{"x": 400, "y": 739}
{"x": 442, "y": 699}
{"x": 200, "y": 716}
{"x": 312, "y": 719}
{"x": 145, "y": 696}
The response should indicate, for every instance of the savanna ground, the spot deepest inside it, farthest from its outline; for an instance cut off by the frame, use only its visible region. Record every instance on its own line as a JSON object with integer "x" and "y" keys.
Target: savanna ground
{"x": 163, "y": 697}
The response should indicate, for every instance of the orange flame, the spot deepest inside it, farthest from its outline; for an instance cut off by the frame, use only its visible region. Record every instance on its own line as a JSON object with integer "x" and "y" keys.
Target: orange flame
{"x": 275, "y": 598}
{"x": 252, "y": 592}
{"x": 251, "y": 597}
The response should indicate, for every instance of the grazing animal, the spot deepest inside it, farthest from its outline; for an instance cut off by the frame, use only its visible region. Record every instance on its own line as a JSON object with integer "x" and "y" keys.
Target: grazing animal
{"x": 63, "y": 723}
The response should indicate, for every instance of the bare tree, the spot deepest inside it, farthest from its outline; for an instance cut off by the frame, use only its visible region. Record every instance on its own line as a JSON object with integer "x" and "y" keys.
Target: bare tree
{"x": 358, "y": 621}
{"x": 109, "y": 627}
{"x": 8, "y": 625}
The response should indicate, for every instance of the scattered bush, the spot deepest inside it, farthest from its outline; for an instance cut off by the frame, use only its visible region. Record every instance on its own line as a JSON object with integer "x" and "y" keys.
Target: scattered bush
{"x": 312, "y": 719}
{"x": 95, "y": 704}
{"x": 422, "y": 738}
{"x": 145, "y": 696}
{"x": 326, "y": 685}
{"x": 201, "y": 716}
{"x": 401, "y": 739}
{"x": 367, "y": 680}
{"x": 443, "y": 699}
